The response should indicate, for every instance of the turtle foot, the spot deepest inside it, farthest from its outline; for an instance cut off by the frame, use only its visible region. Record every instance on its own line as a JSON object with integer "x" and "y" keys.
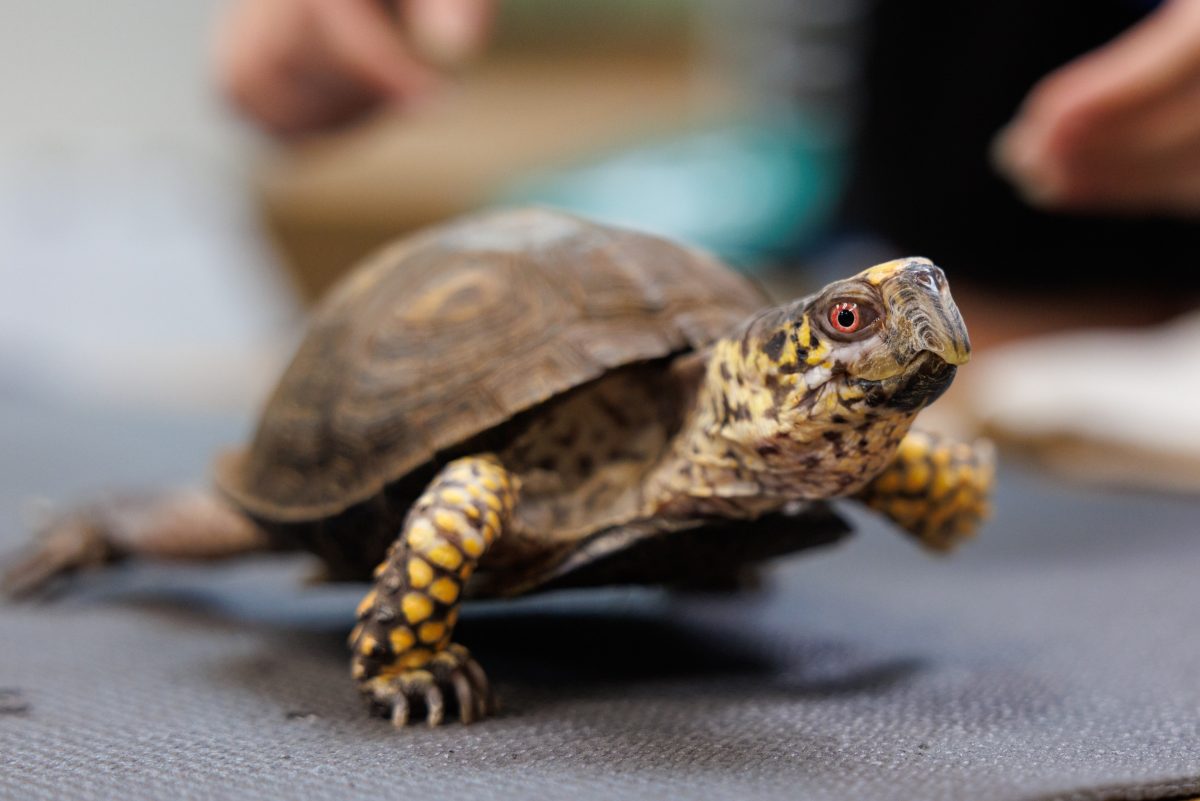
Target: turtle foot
{"x": 408, "y": 694}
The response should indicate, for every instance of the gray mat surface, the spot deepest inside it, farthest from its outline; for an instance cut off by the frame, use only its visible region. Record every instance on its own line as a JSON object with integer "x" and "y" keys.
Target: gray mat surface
{"x": 1057, "y": 657}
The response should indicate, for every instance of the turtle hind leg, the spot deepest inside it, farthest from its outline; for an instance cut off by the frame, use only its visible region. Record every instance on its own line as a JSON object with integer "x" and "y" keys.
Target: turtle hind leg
{"x": 180, "y": 525}
{"x": 404, "y": 662}
{"x": 937, "y": 489}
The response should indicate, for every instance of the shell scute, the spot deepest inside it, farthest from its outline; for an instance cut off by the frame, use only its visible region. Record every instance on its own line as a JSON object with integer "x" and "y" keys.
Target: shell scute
{"x": 450, "y": 332}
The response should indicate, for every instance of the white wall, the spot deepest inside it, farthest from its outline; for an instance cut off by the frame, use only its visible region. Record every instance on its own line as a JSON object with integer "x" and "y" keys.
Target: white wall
{"x": 131, "y": 268}
{"x": 116, "y": 70}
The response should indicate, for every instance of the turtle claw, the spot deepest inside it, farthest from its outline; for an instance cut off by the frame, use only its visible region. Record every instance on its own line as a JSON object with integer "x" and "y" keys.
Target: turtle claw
{"x": 464, "y": 693}
{"x": 400, "y": 711}
{"x": 400, "y": 696}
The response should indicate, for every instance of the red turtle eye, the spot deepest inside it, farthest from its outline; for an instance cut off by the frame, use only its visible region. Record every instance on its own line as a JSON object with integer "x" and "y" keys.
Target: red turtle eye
{"x": 845, "y": 317}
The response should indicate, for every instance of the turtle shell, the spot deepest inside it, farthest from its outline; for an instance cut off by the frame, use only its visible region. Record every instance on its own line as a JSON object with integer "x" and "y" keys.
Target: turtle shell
{"x": 449, "y": 333}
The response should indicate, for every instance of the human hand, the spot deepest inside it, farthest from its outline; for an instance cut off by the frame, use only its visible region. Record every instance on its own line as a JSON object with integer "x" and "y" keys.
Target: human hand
{"x": 298, "y": 67}
{"x": 1118, "y": 129}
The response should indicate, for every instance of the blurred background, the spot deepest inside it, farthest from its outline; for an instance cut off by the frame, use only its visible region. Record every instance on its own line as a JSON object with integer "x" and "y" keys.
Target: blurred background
{"x": 158, "y": 250}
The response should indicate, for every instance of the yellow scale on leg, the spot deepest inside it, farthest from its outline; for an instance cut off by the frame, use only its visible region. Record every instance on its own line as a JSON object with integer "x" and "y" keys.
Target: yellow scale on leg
{"x": 935, "y": 489}
{"x": 402, "y": 649}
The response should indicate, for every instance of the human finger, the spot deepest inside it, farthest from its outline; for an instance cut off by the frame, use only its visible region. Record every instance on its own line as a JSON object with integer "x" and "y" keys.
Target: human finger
{"x": 448, "y": 32}
{"x": 366, "y": 43}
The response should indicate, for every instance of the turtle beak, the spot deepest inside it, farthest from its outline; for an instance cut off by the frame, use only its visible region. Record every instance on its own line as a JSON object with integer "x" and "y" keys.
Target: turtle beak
{"x": 923, "y": 318}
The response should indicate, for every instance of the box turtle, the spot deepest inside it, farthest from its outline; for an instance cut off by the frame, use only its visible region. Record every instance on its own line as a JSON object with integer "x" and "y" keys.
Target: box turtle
{"x": 523, "y": 400}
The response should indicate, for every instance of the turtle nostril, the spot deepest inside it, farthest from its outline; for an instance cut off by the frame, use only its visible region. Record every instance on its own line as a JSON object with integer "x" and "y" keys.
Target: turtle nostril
{"x": 927, "y": 278}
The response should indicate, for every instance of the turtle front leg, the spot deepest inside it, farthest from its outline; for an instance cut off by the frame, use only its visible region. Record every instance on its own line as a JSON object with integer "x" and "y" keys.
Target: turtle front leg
{"x": 937, "y": 489}
{"x": 403, "y": 658}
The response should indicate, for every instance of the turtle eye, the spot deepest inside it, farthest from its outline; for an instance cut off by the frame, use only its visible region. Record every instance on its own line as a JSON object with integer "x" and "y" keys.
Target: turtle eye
{"x": 850, "y": 317}
{"x": 845, "y": 317}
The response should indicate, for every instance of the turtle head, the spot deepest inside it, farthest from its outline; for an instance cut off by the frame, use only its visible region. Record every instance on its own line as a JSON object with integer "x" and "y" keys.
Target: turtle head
{"x": 889, "y": 338}
{"x": 893, "y": 331}
{"x": 812, "y": 398}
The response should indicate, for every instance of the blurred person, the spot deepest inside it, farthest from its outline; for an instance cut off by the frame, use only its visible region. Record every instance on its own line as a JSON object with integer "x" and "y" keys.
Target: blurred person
{"x": 298, "y": 67}
{"x": 1033, "y": 146}
{"x": 1048, "y": 153}
{"x": 1116, "y": 129}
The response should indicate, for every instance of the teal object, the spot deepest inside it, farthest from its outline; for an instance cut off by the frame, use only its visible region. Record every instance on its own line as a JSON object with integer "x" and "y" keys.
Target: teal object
{"x": 754, "y": 192}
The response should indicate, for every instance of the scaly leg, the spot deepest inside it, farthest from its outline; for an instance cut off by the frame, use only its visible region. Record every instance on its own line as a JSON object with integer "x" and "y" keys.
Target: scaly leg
{"x": 936, "y": 489}
{"x": 185, "y": 525}
{"x": 402, "y": 650}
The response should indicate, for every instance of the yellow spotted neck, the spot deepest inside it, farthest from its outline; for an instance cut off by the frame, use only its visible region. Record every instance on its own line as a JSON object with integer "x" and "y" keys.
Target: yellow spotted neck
{"x": 773, "y": 423}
